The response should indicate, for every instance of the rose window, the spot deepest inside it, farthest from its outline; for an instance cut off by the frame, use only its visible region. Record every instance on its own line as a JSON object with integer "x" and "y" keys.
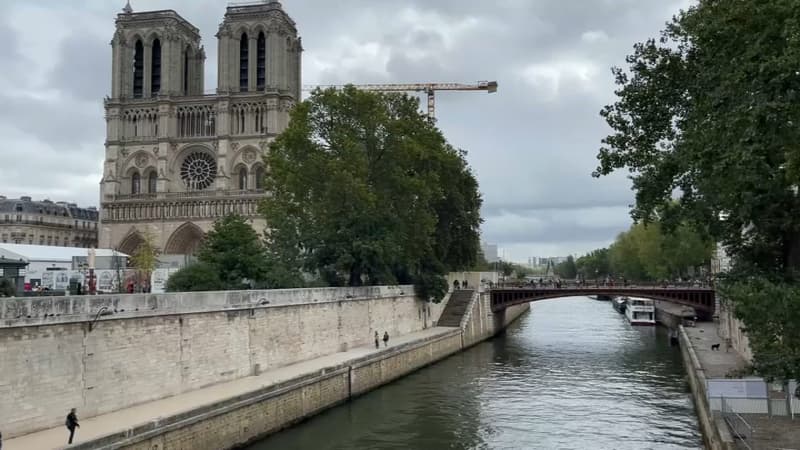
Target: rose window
{"x": 198, "y": 171}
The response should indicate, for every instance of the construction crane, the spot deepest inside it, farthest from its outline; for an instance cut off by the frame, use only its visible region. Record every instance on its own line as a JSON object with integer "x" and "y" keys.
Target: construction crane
{"x": 428, "y": 88}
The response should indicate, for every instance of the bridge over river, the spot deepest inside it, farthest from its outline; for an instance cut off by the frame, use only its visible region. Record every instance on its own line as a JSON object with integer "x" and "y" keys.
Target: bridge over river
{"x": 702, "y": 299}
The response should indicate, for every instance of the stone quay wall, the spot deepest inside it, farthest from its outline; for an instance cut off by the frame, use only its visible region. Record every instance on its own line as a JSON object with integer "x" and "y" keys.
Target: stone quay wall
{"x": 105, "y": 353}
{"x": 247, "y": 418}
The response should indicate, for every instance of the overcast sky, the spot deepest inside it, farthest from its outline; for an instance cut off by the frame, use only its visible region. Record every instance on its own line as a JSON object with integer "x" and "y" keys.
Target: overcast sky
{"x": 533, "y": 144}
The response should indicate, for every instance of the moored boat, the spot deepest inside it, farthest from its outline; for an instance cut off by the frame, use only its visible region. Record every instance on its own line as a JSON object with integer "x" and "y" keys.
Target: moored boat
{"x": 640, "y": 311}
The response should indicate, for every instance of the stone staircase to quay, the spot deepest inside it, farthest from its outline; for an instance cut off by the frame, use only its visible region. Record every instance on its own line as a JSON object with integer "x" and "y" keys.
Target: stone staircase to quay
{"x": 456, "y": 308}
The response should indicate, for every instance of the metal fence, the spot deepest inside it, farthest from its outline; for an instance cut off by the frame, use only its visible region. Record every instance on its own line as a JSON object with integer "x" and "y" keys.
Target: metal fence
{"x": 738, "y": 425}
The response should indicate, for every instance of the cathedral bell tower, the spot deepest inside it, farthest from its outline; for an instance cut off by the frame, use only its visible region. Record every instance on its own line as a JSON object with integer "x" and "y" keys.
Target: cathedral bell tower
{"x": 259, "y": 50}
{"x": 178, "y": 159}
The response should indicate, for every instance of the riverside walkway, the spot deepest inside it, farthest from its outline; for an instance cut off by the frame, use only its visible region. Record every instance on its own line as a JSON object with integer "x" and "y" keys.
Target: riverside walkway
{"x": 119, "y": 421}
{"x": 769, "y": 432}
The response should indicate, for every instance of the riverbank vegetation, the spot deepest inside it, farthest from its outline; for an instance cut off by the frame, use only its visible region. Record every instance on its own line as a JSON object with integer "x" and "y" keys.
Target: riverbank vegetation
{"x": 647, "y": 252}
{"x": 707, "y": 124}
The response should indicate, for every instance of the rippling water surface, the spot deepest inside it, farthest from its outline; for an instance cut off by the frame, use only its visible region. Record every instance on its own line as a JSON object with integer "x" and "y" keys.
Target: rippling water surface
{"x": 571, "y": 374}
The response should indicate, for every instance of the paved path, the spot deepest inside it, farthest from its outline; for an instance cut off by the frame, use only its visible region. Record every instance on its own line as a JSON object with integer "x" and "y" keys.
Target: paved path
{"x": 770, "y": 432}
{"x": 717, "y": 363}
{"x": 95, "y": 427}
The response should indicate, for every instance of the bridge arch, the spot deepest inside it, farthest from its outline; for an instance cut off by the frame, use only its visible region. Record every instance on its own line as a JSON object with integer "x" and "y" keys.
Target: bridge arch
{"x": 701, "y": 299}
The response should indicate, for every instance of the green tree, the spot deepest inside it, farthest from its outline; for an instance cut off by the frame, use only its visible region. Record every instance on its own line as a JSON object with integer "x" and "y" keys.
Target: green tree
{"x": 236, "y": 251}
{"x": 195, "y": 277}
{"x": 365, "y": 190}
{"x": 506, "y": 268}
{"x": 710, "y": 112}
{"x": 567, "y": 270}
{"x": 593, "y": 265}
{"x": 623, "y": 256}
{"x": 145, "y": 258}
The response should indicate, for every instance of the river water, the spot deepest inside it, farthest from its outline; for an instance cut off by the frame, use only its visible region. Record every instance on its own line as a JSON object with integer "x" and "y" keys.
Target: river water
{"x": 570, "y": 374}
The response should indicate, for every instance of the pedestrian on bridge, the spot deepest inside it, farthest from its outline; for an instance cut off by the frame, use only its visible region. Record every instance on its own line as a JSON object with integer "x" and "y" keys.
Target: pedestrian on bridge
{"x": 385, "y": 338}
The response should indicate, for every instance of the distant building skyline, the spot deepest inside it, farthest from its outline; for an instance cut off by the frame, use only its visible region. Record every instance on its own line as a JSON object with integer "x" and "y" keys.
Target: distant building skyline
{"x": 59, "y": 224}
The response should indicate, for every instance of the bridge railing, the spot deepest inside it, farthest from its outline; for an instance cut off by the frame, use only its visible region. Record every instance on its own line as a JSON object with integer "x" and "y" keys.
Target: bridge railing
{"x": 597, "y": 284}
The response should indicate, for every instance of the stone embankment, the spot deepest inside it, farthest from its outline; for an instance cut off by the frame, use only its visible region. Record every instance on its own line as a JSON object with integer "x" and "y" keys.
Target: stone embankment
{"x": 238, "y": 367}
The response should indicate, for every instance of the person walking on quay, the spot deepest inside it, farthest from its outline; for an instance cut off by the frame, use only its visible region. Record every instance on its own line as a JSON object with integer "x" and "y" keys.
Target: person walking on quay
{"x": 377, "y": 340}
{"x": 72, "y": 423}
{"x": 385, "y": 338}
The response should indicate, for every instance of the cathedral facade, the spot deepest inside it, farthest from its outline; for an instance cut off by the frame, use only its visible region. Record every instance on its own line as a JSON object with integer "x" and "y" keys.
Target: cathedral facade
{"x": 176, "y": 158}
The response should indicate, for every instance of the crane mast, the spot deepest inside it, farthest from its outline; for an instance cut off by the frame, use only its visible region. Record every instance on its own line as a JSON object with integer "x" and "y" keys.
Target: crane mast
{"x": 428, "y": 88}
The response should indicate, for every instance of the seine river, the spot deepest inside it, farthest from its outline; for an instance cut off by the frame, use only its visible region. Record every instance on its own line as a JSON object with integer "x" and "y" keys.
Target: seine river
{"x": 571, "y": 374}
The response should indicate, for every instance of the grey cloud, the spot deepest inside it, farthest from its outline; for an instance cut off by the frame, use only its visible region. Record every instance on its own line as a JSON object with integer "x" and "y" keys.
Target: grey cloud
{"x": 63, "y": 123}
{"x": 84, "y": 67}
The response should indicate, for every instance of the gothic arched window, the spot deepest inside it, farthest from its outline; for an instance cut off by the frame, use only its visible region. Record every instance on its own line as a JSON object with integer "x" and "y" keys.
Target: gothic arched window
{"x": 152, "y": 182}
{"x": 242, "y": 179}
{"x": 155, "y": 67}
{"x": 244, "y": 59}
{"x": 261, "y": 61}
{"x": 259, "y": 177}
{"x": 136, "y": 183}
{"x": 138, "y": 69}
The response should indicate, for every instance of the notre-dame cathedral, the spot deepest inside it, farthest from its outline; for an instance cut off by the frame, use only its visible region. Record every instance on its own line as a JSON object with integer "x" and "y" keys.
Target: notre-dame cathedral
{"x": 176, "y": 158}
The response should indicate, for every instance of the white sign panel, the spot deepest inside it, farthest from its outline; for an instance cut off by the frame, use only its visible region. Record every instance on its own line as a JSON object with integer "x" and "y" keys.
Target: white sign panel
{"x": 737, "y": 388}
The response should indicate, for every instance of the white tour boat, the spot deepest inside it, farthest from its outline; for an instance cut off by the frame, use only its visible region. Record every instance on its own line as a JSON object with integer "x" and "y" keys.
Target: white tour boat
{"x": 640, "y": 311}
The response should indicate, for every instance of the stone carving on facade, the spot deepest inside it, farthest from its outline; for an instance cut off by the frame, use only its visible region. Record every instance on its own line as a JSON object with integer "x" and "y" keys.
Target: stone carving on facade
{"x": 161, "y": 173}
{"x": 174, "y": 146}
{"x": 155, "y": 151}
{"x": 263, "y": 145}
{"x": 234, "y": 146}
{"x": 215, "y": 144}
{"x": 141, "y": 160}
{"x": 249, "y": 156}
{"x": 124, "y": 152}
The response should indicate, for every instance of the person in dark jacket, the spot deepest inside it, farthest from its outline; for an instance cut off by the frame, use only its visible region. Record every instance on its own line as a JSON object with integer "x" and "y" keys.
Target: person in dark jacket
{"x": 385, "y": 338}
{"x": 72, "y": 423}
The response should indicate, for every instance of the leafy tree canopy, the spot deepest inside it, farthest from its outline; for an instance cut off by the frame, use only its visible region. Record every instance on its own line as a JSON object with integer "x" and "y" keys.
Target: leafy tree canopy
{"x": 145, "y": 257}
{"x": 649, "y": 253}
{"x": 236, "y": 251}
{"x": 232, "y": 256}
{"x": 709, "y": 113}
{"x": 365, "y": 190}
{"x": 567, "y": 270}
{"x": 195, "y": 277}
